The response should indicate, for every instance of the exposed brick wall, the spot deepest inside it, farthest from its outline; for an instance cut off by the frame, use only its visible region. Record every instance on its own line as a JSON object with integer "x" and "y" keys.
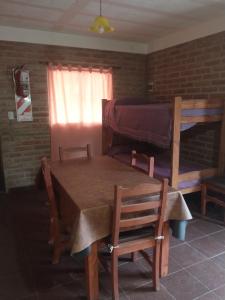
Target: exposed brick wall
{"x": 195, "y": 69}
{"x": 192, "y": 70}
{"x": 24, "y": 143}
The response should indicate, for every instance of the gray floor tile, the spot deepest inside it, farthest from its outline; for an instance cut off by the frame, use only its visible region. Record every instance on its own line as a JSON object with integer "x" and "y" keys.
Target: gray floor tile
{"x": 105, "y": 286}
{"x": 174, "y": 266}
{"x": 185, "y": 255}
{"x": 183, "y": 286}
{"x": 220, "y": 236}
{"x": 220, "y": 292}
{"x": 209, "y": 296}
{"x": 208, "y": 273}
{"x": 219, "y": 260}
{"x": 70, "y": 291}
{"x": 145, "y": 292}
{"x": 193, "y": 232}
{"x": 174, "y": 242}
{"x": 208, "y": 246}
{"x": 133, "y": 275}
{"x": 206, "y": 227}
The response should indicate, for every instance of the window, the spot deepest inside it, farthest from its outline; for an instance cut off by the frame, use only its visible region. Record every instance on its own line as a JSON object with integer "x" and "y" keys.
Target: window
{"x": 75, "y": 106}
{"x": 75, "y": 94}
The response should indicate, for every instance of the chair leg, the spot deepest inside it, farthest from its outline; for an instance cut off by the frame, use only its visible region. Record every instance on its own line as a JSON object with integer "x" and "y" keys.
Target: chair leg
{"x": 57, "y": 250}
{"x": 59, "y": 247}
{"x": 115, "y": 284}
{"x": 155, "y": 267}
{"x": 203, "y": 199}
{"x": 51, "y": 232}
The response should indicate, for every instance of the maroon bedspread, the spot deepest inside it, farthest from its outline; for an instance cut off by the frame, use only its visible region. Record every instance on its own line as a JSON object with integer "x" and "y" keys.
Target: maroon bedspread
{"x": 150, "y": 123}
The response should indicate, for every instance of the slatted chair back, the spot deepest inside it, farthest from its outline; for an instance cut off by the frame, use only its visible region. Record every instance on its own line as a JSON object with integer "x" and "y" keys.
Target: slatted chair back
{"x": 132, "y": 209}
{"x": 142, "y": 158}
{"x": 75, "y": 152}
{"x": 54, "y": 219}
{"x": 213, "y": 190}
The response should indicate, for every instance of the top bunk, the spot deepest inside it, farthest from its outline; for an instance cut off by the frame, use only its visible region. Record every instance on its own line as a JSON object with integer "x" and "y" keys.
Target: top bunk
{"x": 155, "y": 123}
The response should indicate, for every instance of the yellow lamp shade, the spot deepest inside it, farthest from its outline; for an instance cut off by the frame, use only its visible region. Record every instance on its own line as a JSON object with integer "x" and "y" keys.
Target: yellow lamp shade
{"x": 101, "y": 25}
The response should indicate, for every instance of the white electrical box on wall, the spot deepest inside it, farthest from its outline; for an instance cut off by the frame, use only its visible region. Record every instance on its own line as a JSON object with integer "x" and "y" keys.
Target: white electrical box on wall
{"x": 10, "y": 115}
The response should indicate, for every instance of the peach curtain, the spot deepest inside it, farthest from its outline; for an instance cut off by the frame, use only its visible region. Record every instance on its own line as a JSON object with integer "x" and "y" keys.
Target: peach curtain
{"x": 75, "y": 106}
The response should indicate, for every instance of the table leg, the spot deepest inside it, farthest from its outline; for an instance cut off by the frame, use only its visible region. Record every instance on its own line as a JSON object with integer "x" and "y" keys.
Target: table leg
{"x": 91, "y": 270}
{"x": 164, "y": 261}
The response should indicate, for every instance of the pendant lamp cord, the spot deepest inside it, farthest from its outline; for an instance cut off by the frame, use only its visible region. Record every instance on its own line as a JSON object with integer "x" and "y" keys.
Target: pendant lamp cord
{"x": 100, "y": 7}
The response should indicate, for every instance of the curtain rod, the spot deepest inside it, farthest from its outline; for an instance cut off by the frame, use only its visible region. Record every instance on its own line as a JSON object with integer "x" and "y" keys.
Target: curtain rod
{"x": 80, "y": 65}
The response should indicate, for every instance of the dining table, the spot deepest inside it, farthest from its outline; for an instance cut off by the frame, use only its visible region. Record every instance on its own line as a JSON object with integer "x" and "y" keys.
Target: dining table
{"x": 85, "y": 189}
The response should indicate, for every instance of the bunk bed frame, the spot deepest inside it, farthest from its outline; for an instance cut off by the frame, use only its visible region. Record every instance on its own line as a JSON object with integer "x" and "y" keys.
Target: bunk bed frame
{"x": 178, "y": 120}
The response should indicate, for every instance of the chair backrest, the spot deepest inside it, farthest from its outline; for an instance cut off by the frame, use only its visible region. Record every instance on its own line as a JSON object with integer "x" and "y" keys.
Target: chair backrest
{"x": 75, "y": 152}
{"x": 50, "y": 191}
{"x": 144, "y": 159}
{"x": 133, "y": 207}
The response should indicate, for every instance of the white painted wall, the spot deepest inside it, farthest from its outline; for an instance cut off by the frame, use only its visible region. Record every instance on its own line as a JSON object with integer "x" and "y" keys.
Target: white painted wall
{"x": 70, "y": 40}
{"x": 208, "y": 28}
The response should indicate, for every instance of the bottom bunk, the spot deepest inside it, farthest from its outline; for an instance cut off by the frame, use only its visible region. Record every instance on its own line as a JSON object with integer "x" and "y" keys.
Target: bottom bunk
{"x": 190, "y": 174}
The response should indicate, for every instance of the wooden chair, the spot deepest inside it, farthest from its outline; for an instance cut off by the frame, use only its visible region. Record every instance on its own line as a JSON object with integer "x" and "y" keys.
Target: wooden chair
{"x": 141, "y": 157}
{"x": 132, "y": 210}
{"x": 146, "y": 160}
{"x": 56, "y": 237}
{"x": 75, "y": 152}
{"x": 213, "y": 190}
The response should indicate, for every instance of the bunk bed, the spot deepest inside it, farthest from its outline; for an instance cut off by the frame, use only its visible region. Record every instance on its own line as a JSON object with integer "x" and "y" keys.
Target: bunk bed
{"x": 161, "y": 125}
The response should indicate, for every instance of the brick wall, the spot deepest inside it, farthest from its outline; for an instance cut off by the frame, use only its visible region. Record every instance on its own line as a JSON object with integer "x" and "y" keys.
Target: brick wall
{"x": 192, "y": 70}
{"x": 24, "y": 143}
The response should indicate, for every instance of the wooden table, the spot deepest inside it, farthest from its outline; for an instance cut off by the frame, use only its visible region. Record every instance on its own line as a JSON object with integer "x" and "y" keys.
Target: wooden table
{"x": 87, "y": 193}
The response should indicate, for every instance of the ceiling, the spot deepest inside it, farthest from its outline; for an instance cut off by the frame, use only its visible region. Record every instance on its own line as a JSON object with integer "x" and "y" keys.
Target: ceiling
{"x": 134, "y": 20}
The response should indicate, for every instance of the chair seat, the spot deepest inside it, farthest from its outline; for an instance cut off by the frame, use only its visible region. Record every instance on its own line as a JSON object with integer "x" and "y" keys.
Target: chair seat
{"x": 132, "y": 235}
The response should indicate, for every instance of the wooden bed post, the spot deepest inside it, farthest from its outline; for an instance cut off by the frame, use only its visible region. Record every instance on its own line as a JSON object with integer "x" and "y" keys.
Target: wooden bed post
{"x": 107, "y": 133}
{"x": 221, "y": 162}
{"x": 176, "y": 141}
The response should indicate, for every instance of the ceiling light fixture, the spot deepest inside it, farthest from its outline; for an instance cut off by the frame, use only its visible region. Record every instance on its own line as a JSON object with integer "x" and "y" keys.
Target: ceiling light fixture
{"x": 101, "y": 24}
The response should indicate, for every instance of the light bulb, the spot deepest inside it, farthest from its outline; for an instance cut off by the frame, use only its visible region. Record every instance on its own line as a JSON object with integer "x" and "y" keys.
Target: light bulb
{"x": 101, "y": 29}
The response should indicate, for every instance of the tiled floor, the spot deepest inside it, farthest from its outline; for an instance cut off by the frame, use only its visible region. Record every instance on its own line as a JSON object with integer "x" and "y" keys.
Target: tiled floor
{"x": 196, "y": 270}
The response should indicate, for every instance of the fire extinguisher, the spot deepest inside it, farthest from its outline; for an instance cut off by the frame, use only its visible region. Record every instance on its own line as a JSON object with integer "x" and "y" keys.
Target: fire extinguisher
{"x": 21, "y": 80}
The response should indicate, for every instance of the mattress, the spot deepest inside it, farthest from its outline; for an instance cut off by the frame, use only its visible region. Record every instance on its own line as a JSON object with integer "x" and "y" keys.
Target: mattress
{"x": 162, "y": 168}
